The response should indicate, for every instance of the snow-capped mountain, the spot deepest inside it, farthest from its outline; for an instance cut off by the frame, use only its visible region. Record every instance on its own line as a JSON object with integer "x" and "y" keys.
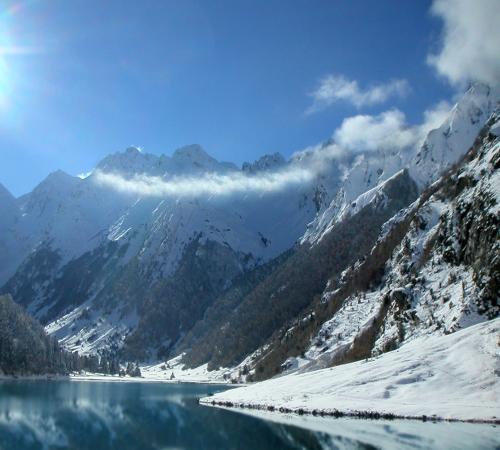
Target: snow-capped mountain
{"x": 68, "y": 226}
{"x": 433, "y": 270}
{"x": 426, "y": 161}
{"x": 109, "y": 266}
{"x": 355, "y": 255}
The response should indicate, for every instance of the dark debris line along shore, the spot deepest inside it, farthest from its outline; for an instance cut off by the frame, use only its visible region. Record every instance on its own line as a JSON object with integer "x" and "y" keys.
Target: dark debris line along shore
{"x": 337, "y": 414}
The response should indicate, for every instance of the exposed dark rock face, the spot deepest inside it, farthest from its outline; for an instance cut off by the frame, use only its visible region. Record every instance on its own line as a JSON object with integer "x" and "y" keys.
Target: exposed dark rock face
{"x": 171, "y": 308}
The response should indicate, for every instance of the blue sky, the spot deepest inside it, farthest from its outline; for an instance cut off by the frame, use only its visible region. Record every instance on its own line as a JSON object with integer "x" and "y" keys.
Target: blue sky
{"x": 80, "y": 79}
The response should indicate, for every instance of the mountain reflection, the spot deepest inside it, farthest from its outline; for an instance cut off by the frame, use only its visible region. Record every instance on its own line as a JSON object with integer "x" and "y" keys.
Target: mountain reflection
{"x": 98, "y": 415}
{"x": 88, "y": 415}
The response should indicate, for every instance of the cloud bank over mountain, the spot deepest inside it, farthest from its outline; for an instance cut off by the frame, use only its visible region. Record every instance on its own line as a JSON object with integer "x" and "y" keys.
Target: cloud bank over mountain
{"x": 361, "y": 133}
{"x": 388, "y": 130}
{"x": 211, "y": 184}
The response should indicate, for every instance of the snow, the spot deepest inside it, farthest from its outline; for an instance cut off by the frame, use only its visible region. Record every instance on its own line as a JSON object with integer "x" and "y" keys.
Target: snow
{"x": 85, "y": 329}
{"x": 201, "y": 374}
{"x": 338, "y": 333}
{"x": 426, "y": 161}
{"x": 453, "y": 138}
{"x": 451, "y": 377}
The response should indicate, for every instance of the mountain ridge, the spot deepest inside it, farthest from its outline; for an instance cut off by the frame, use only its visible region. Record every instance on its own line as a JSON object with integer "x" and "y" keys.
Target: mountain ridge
{"x": 107, "y": 270}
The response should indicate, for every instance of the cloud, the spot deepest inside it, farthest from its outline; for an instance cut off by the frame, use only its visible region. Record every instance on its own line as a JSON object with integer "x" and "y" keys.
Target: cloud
{"x": 338, "y": 88}
{"x": 209, "y": 183}
{"x": 388, "y": 130}
{"x": 471, "y": 40}
{"x": 84, "y": 175}
{"x": 435, "y": 116}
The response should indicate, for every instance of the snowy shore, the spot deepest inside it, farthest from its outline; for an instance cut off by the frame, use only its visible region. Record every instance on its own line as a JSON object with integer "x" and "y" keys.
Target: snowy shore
{"x": 173, "y": 371}
{"x": 149, "y": 378}
{"x": 453, "y": 377}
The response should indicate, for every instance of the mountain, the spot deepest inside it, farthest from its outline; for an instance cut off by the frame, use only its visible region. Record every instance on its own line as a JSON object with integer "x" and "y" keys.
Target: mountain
{"x": 8, "y": 218}
{"x": 98, "y": 263}
{"x": 410, "y": 330}
{"x": 25, "y": 348}
{"x": 441, "y": 147}
{"x": 432, "y": 270}
{"x": 135, "y": 259}
{"x": 297, "y": 282}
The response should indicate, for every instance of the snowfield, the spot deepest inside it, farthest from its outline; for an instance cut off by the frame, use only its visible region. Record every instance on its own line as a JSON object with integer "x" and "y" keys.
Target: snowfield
{"x": 452, "y": 377}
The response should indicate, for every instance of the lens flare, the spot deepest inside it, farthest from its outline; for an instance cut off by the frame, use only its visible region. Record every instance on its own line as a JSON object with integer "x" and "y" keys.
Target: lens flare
{"x": 10, "y": 48}
{"x": 3, "y": 84}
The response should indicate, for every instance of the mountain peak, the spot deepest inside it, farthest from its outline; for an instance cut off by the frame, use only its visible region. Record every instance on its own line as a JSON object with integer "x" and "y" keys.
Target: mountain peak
{"x": 55, "y": 181}
{"x": 447, "y": 143}
{"x": 131, "y": 160}
{"x": 193, "y": 152}
{"x": 132, "y": 150}
{"x": 59, "y": 173}
{"x": 266, "y": 162}
{"x": 194, "y": 157}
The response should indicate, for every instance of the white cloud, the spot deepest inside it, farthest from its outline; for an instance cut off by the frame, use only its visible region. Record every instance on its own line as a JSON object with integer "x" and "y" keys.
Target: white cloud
{"x": 471, "y": 40}
{"x": 338, "y": 88}
{"x": 208, "y": 183}
{"x": 435, "y": 116}
{"x": 388, "y": 130}
{"x": 84, "y": 175}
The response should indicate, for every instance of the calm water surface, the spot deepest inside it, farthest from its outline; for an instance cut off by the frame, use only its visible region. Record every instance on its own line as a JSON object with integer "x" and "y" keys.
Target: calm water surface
{"x": 100, "y": 415}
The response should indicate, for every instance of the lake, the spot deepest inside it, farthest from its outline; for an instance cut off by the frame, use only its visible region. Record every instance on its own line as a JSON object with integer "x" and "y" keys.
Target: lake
{"x": 114, "y": 415}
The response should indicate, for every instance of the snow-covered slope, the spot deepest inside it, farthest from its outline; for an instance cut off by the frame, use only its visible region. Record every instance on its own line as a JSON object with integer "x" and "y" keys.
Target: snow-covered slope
{"x": 450, "y": 377}
{"x": 426, "y": 161}
{"x": 432, "y": 271}
{"x": 446, "y": 144}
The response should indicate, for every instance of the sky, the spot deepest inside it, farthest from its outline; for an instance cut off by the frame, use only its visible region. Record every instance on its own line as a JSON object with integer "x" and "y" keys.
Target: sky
{"x": 81, "y": 79}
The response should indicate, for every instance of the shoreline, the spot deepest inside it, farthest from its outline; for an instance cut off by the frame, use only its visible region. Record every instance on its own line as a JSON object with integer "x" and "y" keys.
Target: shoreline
{"x": 109, "y": 378}
{"x": 425, "y": 380}
{"x": 335, "y": 413}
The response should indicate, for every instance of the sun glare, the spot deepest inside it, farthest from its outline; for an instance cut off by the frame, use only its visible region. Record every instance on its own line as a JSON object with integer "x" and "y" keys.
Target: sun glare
{"x": 9, "y": 49}
{"x": 4, "y": 88}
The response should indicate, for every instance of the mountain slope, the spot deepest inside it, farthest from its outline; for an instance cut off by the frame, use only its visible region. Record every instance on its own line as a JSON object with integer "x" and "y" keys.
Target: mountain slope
{"x": 426, "y": 378}
{"x": 433, "y": 270}
{"x": 301, "y": 278}
{"x": 441, "y": 148}
{"x": 25, "y": 348}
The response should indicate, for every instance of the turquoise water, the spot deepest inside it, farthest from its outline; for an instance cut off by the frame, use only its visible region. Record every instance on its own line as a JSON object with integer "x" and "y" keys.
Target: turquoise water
{"x": 100, "y": 415}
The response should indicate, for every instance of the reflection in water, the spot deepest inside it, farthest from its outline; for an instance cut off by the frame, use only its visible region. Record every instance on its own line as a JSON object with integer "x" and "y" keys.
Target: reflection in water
{"x": 93, "y": 415}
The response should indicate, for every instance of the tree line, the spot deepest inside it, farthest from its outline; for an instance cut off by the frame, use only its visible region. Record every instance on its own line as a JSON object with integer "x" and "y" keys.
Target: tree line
{"x": 26, "y": 349}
